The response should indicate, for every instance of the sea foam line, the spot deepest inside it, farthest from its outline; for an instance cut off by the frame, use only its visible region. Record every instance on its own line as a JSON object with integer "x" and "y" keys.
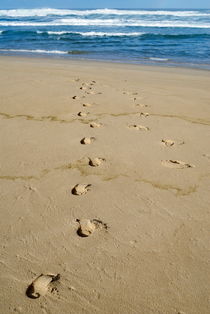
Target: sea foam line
{"x": 91, "y": 34}
{"x": 36, "y": 51}
{"x": 108, "y": 22}
{"x": 63, "y": 12}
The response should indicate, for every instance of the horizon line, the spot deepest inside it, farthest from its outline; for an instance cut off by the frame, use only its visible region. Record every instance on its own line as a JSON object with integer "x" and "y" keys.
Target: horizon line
{"x": 100, "y": 8}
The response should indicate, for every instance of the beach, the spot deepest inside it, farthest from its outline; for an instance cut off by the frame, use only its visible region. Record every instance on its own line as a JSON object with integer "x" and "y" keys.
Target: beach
{"x": 120, "y": 148}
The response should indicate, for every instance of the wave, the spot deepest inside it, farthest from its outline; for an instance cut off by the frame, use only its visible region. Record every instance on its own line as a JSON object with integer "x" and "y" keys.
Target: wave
{"x": 42, "y": 51}
{"x": 36, "y": 51}
{"x": 63, "y": 12}
{"x": 142, "y": 35}
{"x": 92, "y": 34}
{"x": 108, "y": 22}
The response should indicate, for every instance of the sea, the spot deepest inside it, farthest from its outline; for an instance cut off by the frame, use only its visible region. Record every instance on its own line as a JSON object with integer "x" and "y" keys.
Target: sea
{"x": 166, "y": 37}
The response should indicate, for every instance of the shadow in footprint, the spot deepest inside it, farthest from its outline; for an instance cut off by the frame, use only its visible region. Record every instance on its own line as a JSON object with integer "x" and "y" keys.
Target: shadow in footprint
{"x": 40, "y": 286}
{"x": 168, "y": 143}
{"x": 178, "y": 164}
{"x": 80, "y": 189}
{"x": 96, "y": 162}
{"x": 87, "y": 140}
{"x": 88, "y": 226}
{"x": 138, "y": 127}
{"x": 96, "y": 125}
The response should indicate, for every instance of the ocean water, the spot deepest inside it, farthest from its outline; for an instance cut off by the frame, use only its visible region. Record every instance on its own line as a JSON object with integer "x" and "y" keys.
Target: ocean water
{"x": 170, "y": 37}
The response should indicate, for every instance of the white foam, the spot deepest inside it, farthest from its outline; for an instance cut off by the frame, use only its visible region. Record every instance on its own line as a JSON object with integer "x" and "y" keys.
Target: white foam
{"x": 36, "y": 51}
{"x": 158, "y": 59}
{"x": 108, "y": 22}
{"x": 101, "y": 34}
{"x": 63, "y": 12}
{"x": 92, "y": 34}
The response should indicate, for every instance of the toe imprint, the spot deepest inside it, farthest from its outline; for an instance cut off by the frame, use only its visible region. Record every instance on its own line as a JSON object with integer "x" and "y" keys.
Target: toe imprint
{"x": 95, "y": 125}
{"x": 138, "y": 127}
{"x": 176, "y": 164}
{"x": 40, "y": 285}
{"x": 168, "y": 142}
{"x": 80, "y": 189}
{"x": 96, "y": 162}
{"x": 88, "y": 227}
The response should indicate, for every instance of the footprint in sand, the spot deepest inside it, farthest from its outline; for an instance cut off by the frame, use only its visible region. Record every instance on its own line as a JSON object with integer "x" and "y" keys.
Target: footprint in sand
{"x": 41, "y": 285}
{"x": 80, "y": 189}
{"x": 91, "y": 93}
{"x": 142, "y": 105}
{"x": 87, "y": 105}
{"x": 75, "y": 97}
{"x": 96, "y": 125}
{"x": 82, "y": 114}
{"x": 87, "y": 140}
{"x": 168, "y": 143}
{"x": 138, "y": 127}
{"x": 144, "y": 114}
{"x": 178, "y": 164}
{"x": 88, "y": 227}
{"x": 96, "y": 162}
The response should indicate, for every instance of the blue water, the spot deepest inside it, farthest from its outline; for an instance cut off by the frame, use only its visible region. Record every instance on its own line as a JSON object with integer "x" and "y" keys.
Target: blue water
{"x": 170, "y": 37}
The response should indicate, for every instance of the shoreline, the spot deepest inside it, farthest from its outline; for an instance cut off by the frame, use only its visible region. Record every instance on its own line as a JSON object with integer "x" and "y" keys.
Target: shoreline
{"x": 150, "y": 63}
{"x": 69, "y": 61}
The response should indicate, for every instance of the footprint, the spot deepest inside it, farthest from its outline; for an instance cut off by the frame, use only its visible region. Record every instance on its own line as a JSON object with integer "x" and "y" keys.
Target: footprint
{"x": 80, "y": 189}
{"x": 83, "y": 88}
{"x": 138, "y": 127}
{"x": 176, "y": 164}
{"x": 87, "y": 105}
{"x": 87, "y": 140}
{"x": 88, "y": 227}
{"x": 144, "y": 114}
{"x": 96, "y": 162}
{"x": 91, "y": 93}
{"x": 142, "y": 105}
{"x": 96, "y": 125}
{"x": 40, "y": 286}
{"x": 75, "y": 97}
{"x": 168, "y": 142}
{"x": 82, "y": 114}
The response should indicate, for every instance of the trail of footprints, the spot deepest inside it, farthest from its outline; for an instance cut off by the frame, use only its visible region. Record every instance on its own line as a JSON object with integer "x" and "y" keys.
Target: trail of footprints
{"x": 86, "y": 227}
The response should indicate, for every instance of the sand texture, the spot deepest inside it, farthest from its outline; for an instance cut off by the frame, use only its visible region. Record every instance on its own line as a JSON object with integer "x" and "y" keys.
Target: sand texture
{"x": 105, "y": 200}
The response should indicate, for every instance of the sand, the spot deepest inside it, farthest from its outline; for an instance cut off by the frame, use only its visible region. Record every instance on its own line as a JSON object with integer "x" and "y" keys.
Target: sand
{"x": 114, "y": 199}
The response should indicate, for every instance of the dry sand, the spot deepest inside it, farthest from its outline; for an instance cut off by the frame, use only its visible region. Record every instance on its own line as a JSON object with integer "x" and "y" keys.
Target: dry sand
{"x": 136, "y": 163}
